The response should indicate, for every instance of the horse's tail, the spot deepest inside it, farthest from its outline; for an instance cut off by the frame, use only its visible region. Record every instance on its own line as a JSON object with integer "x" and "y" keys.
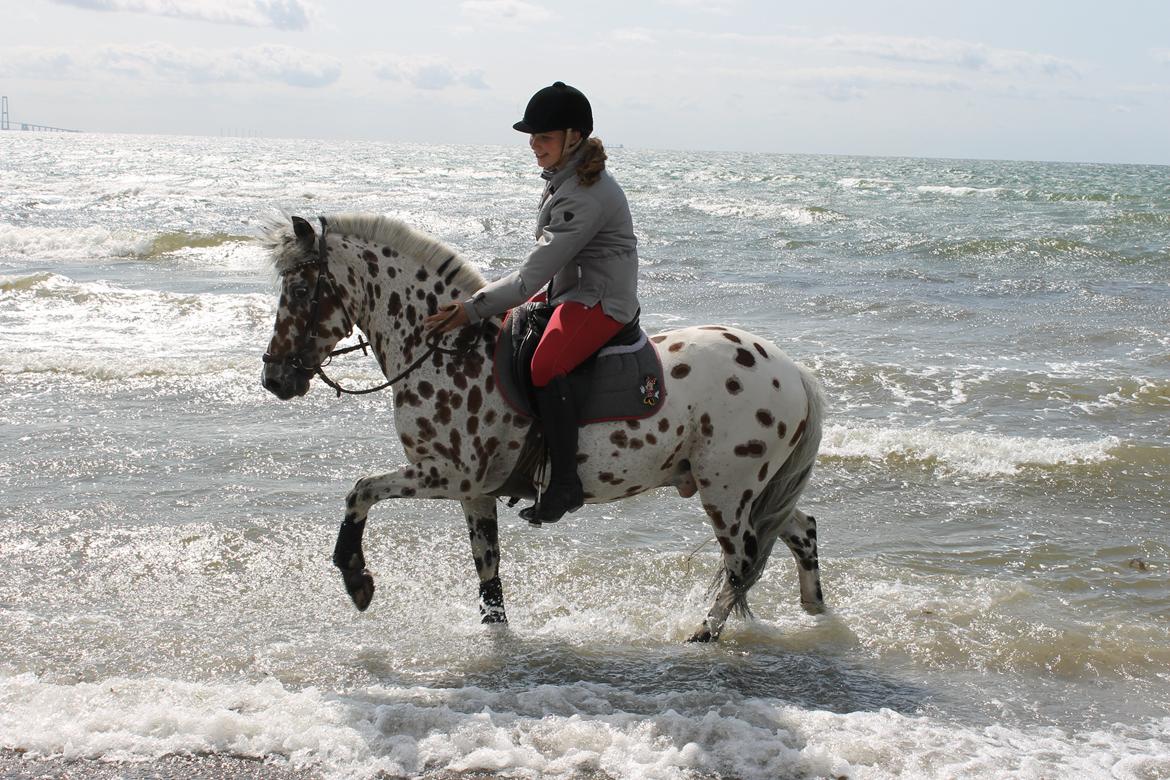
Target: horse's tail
{"x": 777, "y": 501}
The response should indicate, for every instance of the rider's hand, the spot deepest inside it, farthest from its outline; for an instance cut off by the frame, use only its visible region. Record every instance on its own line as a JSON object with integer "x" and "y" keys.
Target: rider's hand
{"x": 447, "y": 319}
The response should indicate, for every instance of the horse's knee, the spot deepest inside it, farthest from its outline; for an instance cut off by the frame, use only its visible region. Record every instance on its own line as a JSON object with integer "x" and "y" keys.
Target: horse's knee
{"x": 360, "y": 498}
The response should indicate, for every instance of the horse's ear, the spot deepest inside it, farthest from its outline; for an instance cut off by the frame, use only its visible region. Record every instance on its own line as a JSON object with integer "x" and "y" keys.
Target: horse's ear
{"x": 304, "y": 231}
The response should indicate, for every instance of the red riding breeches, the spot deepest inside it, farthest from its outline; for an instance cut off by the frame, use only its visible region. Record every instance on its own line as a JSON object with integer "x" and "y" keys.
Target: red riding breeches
{"x": 574, "y": 332}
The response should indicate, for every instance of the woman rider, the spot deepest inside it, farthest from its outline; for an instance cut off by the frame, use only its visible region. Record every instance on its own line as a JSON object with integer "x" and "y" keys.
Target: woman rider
{"x": 586, "y": 254}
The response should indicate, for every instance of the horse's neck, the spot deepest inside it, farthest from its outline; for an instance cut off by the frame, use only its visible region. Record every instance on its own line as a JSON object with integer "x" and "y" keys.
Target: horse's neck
{"x": 388, "y": 298}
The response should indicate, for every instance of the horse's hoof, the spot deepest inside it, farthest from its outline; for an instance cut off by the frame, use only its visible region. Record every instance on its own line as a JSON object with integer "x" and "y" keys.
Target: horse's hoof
{"x": 813, "y": 607}
{"x": 360, "y": 586}
{"x": 493, "y": 617}
{"x": 702, "y": 635}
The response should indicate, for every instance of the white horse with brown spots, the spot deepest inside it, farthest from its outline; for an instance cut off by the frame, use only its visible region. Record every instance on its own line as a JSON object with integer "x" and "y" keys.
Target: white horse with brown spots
{"x": 740, "y": 423}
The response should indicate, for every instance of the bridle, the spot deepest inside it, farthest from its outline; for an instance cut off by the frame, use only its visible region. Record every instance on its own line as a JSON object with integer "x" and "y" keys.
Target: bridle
{"x": 297, "y": 359}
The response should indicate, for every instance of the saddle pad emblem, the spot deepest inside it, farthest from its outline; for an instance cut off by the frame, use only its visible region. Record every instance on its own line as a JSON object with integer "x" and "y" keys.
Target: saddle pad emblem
{"x": 650, "y": 392}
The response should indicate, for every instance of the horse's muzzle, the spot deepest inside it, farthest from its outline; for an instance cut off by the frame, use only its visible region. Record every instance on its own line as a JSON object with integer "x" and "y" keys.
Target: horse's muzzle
{"x": 284, "y": 380}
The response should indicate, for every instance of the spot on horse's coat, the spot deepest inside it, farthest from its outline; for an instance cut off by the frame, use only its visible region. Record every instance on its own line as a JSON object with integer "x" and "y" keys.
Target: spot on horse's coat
{"x": 426, "y": 389}
{"x": 465, "y": 486}
{"x": 733, "y": 386}
{"x": 609, "y": 478}
{"x": 776, "y": 383}
{"x": 759, "y": 348}
{"x": 765, "y": 417}
{"x": 675, "y": 347}
{"x": 734, "y": 339}
{"x": 751, "y": 449}
{"x": 395, "y": 305}
{"x": 391, "y": 271}
{"x": 705, "y": 426}
{"x": 798, "y": 433}
{"x": 370, "y": 257}
{"x": 680, "y": 371}
{"x": 712, "y": 327}
{"x": 620, "y": 439}
{"x": 715, "y": 515}
{"x": 426, "y": 430}
{"x": 474, "y": 399}
{"x": 385, "y": 251}
{"x": 763, "y": 473}
{"x": 663, "y": 425}
{"x": 421, "y": 274}
{"x": 781, "y": 429}
{"x": 658, "y": 339}
{"x": 651, "y": 439}
{"x": 744, "y": 358}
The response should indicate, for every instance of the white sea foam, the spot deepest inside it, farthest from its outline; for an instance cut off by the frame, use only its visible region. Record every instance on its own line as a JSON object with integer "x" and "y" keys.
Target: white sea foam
{"x": 942, "y": 189}
{"x": 978, "y": 454}
{"x": 794, "y": 214}
{"x": 56, "y": 244}
{"x": 856, "y": 183}
{"x": 53, "y": 323}
{"x": 545, "y": 731}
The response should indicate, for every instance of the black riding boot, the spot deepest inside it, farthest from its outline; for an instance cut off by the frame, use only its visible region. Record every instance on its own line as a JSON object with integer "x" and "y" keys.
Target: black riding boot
{"x": 558, "y": 416}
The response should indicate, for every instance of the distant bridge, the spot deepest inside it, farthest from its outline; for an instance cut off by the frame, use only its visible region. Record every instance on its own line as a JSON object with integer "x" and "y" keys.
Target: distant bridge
{"x": 6, "y": 123}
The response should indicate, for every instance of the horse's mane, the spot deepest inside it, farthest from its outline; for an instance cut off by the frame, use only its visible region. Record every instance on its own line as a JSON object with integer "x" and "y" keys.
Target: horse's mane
{"x": 426, "y": 250}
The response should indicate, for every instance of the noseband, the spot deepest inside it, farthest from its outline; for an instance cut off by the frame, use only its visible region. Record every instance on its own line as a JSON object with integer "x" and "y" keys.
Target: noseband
{"x": 297, "y": 358}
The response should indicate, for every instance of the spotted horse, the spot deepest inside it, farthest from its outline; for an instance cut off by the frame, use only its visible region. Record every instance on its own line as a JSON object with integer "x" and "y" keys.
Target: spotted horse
{"x": 740, "y": 423}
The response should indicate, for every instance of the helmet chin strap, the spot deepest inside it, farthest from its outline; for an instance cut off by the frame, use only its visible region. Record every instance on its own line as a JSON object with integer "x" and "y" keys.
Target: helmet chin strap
{"x": 569, "y": 148}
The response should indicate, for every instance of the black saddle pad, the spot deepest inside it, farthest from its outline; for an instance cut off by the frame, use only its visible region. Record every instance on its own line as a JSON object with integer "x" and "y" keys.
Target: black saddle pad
{"x": 623, "y": 381}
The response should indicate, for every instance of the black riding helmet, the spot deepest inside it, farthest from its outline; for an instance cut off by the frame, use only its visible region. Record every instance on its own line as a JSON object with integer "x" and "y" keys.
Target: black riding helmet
{"x": 558, "y": 107}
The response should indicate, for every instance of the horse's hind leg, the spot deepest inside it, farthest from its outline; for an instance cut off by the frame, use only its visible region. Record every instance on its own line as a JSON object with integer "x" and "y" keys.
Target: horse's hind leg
{"x": 740, "y": 550}
{"x": 485, "y": 549}
{"x": 799, "y": 532}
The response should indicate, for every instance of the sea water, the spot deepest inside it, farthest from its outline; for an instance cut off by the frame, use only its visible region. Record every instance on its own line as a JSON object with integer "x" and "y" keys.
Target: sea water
{"x": 994, "y": 341}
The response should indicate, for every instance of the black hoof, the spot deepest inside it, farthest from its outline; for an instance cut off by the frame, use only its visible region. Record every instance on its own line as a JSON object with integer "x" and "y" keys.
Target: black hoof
{"x": 493, "y": 617}
{"x": 491, "y": 602}
{"x": 360, "y": 586}
{"x": 702, "y": 635}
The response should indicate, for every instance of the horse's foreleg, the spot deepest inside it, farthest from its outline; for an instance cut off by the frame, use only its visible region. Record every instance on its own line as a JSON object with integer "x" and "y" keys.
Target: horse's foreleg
{"x": 421, "y": 480}
{"x": 799, "y": 532}
{"x": 485, "y": 550}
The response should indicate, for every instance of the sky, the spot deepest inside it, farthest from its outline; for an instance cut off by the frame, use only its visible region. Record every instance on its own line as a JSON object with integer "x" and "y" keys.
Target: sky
{"x": 1072, "y": 80}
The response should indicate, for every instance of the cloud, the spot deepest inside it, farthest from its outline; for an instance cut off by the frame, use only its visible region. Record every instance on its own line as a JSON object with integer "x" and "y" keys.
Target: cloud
{"x": 514, "y": 14}
{"x": 164, "y": 62}
{"x": 941, "y": 51}
{"x": 281, "y": 14}
{"x": 429, "y": 74}
{"x": 710, "y": 6}
{"x": 1161, "y": 56}
{"x": 639, "y": 35}
{"x": 851, "y": 83}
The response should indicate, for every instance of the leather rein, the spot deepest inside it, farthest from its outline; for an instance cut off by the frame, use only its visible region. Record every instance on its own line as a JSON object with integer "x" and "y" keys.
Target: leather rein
{"x": 296, "y": 359}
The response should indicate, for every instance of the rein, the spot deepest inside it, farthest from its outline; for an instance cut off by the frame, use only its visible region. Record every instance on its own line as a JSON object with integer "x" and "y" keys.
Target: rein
{"x": 323, "y": 275}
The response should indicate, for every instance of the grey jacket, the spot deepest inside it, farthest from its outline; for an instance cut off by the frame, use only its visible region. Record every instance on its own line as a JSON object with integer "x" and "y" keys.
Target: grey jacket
{"x": 584, "y": 243}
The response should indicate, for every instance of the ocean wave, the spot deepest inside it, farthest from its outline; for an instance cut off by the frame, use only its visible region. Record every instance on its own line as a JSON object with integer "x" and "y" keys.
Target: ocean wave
{"x": 857, "y": 183}
{"x": 976, "y": 454}
{"x": 52, "y": 323}
{"x": 99, "y": 242}
{"x": 794, "y": 214}
{"x": 942, "y": 189}
{"x": 555, "y": 731}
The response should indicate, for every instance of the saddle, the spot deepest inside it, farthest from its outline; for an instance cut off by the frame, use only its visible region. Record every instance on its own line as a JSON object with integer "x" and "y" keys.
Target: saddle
{"x": 621, "y": 381}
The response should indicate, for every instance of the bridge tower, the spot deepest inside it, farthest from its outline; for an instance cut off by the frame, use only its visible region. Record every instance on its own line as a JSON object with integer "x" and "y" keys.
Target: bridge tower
{"x": 3, "y": 112}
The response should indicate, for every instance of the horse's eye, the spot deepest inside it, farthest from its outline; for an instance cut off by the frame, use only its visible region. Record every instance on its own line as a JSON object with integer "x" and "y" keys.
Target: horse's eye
{"x": 300, "y": 292}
